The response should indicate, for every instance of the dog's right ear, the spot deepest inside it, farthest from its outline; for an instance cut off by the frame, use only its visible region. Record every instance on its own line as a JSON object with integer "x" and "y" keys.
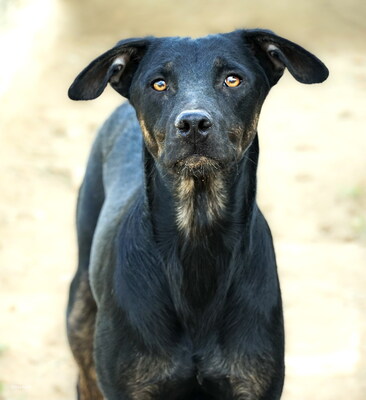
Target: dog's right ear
{"x": 116, "y": 66}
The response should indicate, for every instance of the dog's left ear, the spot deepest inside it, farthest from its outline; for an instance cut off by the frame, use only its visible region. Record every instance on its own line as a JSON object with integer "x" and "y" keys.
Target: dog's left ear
{"x": 275, "y": 53}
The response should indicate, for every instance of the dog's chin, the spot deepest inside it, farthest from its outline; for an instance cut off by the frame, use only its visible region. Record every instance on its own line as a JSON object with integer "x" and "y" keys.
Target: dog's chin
{"x": 197, "y": 166}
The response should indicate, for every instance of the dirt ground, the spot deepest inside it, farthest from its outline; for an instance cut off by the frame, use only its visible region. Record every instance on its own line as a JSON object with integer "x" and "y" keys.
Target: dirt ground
{"x": 312, "y": 179}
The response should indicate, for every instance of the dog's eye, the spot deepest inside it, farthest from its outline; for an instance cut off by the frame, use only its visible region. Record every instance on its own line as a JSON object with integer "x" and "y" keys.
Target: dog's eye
{"x": 159, "y": 85}
{"x": 232, "y": 81}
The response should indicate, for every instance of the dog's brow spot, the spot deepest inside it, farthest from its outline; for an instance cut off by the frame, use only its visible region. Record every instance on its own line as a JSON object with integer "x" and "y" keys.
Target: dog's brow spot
{"x": 169, "y": 66}
{"x": 219, "y": 62}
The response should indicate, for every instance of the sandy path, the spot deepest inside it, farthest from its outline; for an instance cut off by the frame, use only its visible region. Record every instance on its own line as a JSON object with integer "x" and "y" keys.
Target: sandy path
{"x": 312, "y": 182}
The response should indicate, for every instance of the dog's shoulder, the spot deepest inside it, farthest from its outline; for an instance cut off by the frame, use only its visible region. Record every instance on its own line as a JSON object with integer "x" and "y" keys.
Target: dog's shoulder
{"x": 121, "y": 128}
{"x": 120, "y": 143}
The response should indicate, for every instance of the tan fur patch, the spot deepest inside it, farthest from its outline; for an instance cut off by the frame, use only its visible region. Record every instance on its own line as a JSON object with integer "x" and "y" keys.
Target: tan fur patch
{"x": 81, "y": 322}
{"x": 185, "y": 208}
{"x": 249, "y": 387}
{"x": 88, "y": 389}
{"x": 150, "y": 372}
{"x": 150, "y": 141}
{"x": 216, "y": 199}
{"x": 212, "y": 202}
{"x": 249, "y": 377}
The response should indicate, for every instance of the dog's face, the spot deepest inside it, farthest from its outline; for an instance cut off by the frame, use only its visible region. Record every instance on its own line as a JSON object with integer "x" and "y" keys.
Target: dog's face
{"x": 198, "y": 100}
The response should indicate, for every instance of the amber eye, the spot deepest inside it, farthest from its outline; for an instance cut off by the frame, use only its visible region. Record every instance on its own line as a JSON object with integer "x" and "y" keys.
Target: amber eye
{"x": 160, "y": 85}
{"x": 232, "y": 81}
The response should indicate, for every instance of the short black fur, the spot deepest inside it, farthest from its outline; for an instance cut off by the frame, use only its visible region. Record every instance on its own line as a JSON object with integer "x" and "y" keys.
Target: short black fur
{"x": 176, "y": 294}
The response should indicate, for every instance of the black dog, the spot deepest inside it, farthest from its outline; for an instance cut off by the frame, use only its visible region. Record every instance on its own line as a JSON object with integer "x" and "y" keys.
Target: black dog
{"x": 176, "y": 296}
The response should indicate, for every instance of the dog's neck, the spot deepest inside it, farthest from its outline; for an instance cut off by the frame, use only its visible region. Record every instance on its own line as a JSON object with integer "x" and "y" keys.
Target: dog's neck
{"x": 195, "y": 207}
{"x": 201, "y": 222}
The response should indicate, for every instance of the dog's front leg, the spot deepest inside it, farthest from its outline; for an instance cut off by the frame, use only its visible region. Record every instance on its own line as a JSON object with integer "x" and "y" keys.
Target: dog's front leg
{"x": 254, "y": 377}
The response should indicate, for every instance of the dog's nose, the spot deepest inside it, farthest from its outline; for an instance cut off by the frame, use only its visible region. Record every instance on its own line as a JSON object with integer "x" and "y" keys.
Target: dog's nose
{"x": 193, "y": 124}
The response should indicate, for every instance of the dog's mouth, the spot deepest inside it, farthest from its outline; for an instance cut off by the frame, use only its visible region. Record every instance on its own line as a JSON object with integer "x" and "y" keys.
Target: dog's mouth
{"x": 197, "y": 165}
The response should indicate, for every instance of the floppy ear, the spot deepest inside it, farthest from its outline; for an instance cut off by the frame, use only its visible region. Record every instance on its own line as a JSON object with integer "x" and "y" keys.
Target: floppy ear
{"x": 275, "y": 53}
{"x": 116, "y": 66}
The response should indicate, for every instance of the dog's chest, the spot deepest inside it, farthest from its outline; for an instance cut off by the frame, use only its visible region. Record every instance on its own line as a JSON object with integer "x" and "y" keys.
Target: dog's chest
{"x": 197, "y": 277}
{"x": 200, "y": 279}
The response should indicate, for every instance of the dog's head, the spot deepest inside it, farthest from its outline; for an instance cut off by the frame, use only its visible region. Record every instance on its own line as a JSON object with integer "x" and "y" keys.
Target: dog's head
{"x": 198, "y": 100}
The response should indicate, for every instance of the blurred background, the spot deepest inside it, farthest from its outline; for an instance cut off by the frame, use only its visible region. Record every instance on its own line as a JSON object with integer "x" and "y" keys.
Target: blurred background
{"x": 312, "y": 178}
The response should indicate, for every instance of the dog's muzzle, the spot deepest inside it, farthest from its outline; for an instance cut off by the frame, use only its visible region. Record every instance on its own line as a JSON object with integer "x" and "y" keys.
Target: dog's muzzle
{"x": 193, "y": 125}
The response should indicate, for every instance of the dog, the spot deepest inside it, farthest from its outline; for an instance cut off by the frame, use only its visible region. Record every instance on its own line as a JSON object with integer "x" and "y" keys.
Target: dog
{"x": 176, "y": 295}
